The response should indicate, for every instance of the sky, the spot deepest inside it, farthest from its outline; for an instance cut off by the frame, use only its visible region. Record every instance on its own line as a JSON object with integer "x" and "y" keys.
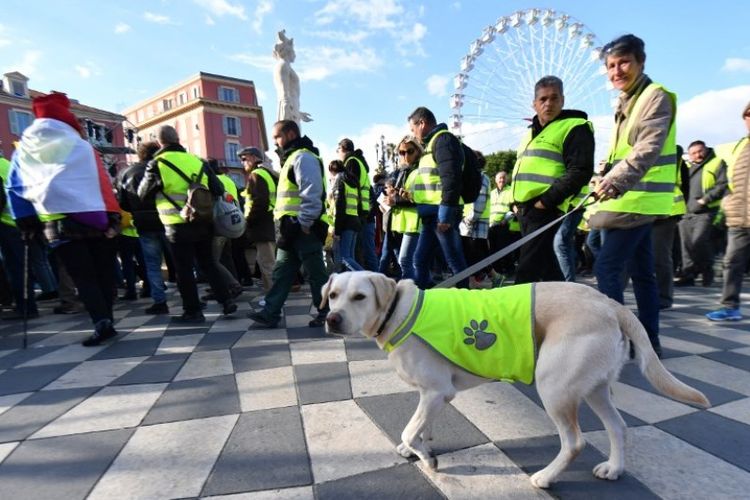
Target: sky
{"x": 364, "y": 65}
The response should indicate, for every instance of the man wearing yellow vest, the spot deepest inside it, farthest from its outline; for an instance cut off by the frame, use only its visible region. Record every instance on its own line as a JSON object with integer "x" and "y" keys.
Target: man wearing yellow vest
{"x": 260, "y": 198}
{"x": 437, "y": 193}
{"x": 221, "y": 246}
{"x": 190, "y": 241}
{"x": 303, "y": 223}
{"x": 638, "y": 185}
{"x": 707, "y": 184}
{"x": 735, "y": 207}
{"x": 555, "y": 160}
{"x": 504, "y": 227}
{"x": 357, "y": 169}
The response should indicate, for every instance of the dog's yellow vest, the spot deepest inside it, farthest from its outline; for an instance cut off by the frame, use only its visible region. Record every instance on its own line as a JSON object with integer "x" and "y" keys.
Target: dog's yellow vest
{"x": 489, "y": 333}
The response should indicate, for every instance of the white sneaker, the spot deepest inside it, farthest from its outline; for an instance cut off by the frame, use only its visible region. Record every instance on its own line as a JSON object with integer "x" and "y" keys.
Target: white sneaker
{"x": 262, "y": 302}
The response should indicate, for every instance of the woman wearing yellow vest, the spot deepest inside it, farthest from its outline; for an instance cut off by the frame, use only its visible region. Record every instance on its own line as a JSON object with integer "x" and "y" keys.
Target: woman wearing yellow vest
{"x": 638, "y": 182}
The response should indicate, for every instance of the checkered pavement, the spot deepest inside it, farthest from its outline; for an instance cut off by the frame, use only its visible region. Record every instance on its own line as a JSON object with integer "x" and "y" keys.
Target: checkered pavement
{"x": 221, "y": 410}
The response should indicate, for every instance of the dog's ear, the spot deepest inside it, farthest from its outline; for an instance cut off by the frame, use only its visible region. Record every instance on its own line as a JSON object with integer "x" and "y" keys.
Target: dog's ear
{"x": 384, "y": 287}
{"x": 324, "y": 292}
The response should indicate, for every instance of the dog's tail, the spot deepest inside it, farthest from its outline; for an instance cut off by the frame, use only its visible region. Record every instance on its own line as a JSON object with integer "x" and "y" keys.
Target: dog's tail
{"x": 651, "y": 366}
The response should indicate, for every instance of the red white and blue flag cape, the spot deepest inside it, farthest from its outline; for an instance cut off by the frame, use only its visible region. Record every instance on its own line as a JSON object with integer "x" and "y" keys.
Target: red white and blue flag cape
{"x": 54, "y": 171}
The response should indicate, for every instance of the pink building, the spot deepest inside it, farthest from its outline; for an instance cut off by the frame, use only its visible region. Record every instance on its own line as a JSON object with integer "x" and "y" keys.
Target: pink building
{"x": 214, "y": 115}
{"x": 104, "y": 129}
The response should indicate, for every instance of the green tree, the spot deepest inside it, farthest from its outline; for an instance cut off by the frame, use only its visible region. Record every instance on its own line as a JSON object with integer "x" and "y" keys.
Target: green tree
{"x": 500, "y": 160}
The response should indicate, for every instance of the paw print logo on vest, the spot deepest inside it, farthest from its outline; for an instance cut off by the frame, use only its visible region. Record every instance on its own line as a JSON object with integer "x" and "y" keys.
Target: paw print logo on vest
{"x": 476, "y": 335}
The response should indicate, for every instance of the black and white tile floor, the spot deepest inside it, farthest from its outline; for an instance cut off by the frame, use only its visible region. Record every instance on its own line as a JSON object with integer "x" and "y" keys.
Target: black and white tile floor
{"x": 219, "y": 410}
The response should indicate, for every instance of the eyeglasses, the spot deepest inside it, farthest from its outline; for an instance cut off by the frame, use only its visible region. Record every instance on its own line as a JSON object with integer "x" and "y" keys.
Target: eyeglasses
{"x": 409, "y": 151}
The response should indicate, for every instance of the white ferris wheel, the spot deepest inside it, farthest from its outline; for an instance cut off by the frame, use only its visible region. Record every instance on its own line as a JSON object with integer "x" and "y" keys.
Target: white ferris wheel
{"x": 492, "y": 103}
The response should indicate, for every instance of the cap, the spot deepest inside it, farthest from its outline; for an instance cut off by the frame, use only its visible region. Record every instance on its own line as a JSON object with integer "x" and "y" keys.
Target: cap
{"x": 56, "y": 106}
{"x": 251, "y": 151}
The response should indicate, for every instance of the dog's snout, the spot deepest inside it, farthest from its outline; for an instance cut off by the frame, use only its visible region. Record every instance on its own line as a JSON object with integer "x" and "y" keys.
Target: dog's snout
{"x": 334, "y": 320}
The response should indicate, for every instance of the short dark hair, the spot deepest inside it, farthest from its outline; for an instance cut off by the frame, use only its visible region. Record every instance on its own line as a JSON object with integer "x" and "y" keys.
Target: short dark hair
{"x": 146, "y": 150}
{"x": 626, "y": 44}
{"x": 168, "y": 135}
{"x": 346, "y": 145}
{"x": 336, "y": 166}
{"x": 697, "y": 143}
{"x": 548, "y": 81}
{"x": 286, "y": 126}
{"x": 422, "y": 113}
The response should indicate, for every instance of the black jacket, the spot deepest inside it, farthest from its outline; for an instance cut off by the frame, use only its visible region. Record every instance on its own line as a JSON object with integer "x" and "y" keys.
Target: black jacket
{"x": 695, "y": 186}
{"x": 260, "y": 226}
{"x": 578, "y": 156}
{"x": 353, "y": 174}
{"x": 145, "y": 216}
{"x": 344, "y": 221}
{"x": 449, "y": 157}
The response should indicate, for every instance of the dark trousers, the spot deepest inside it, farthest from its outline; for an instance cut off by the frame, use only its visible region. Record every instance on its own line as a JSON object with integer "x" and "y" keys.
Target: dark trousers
{"x": 662, "y": 237}
{"x": 13, "y": 255}
{"x": 499, "y": 237}
{"x": 696, "y": 231}
{"x": 130, "y": 254}
{"x": 91, "y": 264}
{"x": 186, "y": 253}
{"x": 476, "y": 249}
{"x": 537, "y": 260}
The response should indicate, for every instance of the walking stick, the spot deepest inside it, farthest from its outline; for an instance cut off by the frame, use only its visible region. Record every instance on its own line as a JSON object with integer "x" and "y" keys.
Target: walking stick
{"x": 25, "y": 293}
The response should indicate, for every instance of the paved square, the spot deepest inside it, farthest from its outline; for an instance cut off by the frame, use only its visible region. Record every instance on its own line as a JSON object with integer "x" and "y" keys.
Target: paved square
{"x": 222, "y": 410}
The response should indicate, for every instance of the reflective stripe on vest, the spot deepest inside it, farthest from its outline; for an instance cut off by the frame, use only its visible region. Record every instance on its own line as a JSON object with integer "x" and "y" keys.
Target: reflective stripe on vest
{"x": 287, "y": 195}
{"x": 500, "y": 202}
{"x": 428, "y": 189}
{"x": 540, "y": 160}
{"x": 5, "y": 217}
{"x": 351, "y": 203}
{"x": 405, "y": 219}
{"x": 268, "y": 178}
{"x": 364, "y": 186}
{"x": 174, "y": 185}
{"x": 655, "y": 193}
{"x": 469, "y": 328}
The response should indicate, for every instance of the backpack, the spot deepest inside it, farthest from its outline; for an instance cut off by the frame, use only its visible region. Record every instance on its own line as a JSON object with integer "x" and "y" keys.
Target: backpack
{"x": 228, "y": 219}
{"x": 471, "y": 176}
{"x": 199, "y": 206}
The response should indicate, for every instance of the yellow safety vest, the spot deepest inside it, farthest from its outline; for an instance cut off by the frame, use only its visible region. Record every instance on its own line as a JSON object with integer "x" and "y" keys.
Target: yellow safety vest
{"x": 268, "y": 178}
{"x": 469, "y": 207}
{"x": 174, "y": 185}
{"x": 489, "y": 333}
{"x": 654, "y": 194}
{"x": 708, "y": 176}
{"x": 288, "y": 197}
{"x": 500, "y": 202}
{"x": 5, "y": 217}
{"x": 405, "y": 220}
{"x": 351, "y": 195}
{"x": 229, "y": 186}
{"x": 540, "y": 160}
{"x": 735, "y": 154}
{"x": 364, "y": 186}
{"x": 428, "y": 188}
{"x": 679, "y": 207}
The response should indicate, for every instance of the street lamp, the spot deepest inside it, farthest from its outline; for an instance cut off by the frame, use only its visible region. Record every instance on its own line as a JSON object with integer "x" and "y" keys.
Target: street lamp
{"x": 382, "y": 152}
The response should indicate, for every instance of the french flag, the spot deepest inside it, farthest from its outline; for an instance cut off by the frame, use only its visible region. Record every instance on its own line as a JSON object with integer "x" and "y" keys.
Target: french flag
{"x": 54, "y": 171}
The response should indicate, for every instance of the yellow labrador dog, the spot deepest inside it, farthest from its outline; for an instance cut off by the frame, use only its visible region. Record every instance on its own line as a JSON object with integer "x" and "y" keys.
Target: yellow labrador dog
{"x": 581, "y": 339}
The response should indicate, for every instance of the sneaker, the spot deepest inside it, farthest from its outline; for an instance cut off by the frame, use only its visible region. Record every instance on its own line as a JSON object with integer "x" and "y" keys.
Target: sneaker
{"x": 725, "y": 314}
{"x": 684, "y": 282}
{"x": 262, "y": 320}
{"x": 129, "y": 296}
{"x": 157, "y": 308}
{"x": 262, "y": 302}
{"x": 318, "y": 321}
{"x": 67, "y": 309}
{"x": 190, "y": 317}
{"x": 228, "y": 308}
{"x": 104, "y": 331}
{"x": 498, "y": 281}
{"x": 47, "y": 296}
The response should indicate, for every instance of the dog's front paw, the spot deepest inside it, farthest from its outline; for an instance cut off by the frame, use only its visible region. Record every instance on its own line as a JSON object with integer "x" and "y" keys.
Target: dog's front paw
{"x": 432, "y": 463}
{"x": 540, "y": 480}
{"x": 606, "y": 470}
{"x": 404, "y": 451}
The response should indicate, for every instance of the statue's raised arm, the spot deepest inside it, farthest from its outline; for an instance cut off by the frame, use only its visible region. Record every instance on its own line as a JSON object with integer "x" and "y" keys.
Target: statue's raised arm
{"x": 286, "y": 81}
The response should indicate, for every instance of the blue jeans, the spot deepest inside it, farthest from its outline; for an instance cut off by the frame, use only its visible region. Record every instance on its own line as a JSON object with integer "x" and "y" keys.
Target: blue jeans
{"x": 406, "y": 255}
{"x": 367, "y": 244}
{"x": 631, "y": 250}
{"x": 565, "y": 245}
{"x": 39, "y": 264}
{"x": 450, "y": 243}
{"x": 13, "y": 254}
{"x": 388, "y": 252}
{"x": 347, "y": 243}
{"x": 152, "y": 244}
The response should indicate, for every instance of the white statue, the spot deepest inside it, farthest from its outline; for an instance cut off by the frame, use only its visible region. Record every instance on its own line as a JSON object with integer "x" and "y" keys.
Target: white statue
{"x": 286, "y": 81}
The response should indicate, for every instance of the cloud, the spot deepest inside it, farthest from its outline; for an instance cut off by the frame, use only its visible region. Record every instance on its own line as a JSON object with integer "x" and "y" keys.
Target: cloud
{"x": 121, "y": 28}
{"x": 263, "y": 8}
{"x": 341, "y": 36}
{"x": 318, "y": 63}
{"x": 265, "y": 63}
{"x": 409, "y": 42}
{"x": 220, "y": 8}
{"x": 735, "y": 64}
{"x": 437, "y": 85}
{"x": 210, "y": 20}
{"x": 374, "y": 14}
{"x": 157, "y": 18}
{"x": 83, "y": 71}
{"x": 366, "y": 139}
{"x": 87, "y": 70}
{"x": 713, "y": 116}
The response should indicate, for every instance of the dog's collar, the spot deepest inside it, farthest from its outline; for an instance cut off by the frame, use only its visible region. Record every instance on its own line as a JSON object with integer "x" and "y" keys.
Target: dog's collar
{"x": 388, "y": 315}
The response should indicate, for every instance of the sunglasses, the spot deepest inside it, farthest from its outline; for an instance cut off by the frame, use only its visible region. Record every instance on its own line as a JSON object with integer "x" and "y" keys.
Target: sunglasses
{"x": 409, "y": 151}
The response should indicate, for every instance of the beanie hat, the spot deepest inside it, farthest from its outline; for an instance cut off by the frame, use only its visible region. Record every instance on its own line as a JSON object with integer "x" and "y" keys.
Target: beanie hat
{"x": 56, "y": 106}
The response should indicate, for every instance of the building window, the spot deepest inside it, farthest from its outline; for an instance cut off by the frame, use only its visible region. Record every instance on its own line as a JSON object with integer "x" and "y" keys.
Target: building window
{"x": 181, "y": 98}
{"x": 196, "y": 93}
{"x": 228, "y": 94}
{"x": 17, "y": 88}
{"x": 166, "y": 104}
{"x": 232, "y": 126}
{"x": 231, "y": 149}
{"x": 19, "y": 120}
